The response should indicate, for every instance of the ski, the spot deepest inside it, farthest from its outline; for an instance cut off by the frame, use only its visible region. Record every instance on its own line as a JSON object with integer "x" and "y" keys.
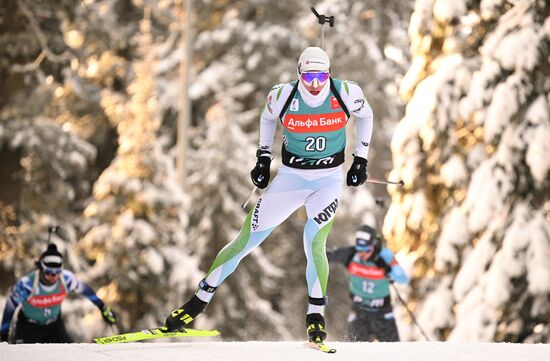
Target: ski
{"x": 321, "y": 346}
{"x": 154, "y": 333}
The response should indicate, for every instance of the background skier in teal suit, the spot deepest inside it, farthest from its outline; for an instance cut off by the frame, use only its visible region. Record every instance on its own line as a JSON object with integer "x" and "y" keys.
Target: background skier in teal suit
{"x": 371, "y": 267}
{"x": 40, "y": 294}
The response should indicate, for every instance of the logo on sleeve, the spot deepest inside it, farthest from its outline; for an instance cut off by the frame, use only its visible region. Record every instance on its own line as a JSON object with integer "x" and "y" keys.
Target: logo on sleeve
{"x": 361, "y": 103}
{"x": 268, "y": 104}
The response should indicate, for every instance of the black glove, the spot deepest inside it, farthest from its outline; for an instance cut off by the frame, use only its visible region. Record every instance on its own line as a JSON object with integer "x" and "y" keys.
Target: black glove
{"x": 260, "y": 173}
{"x": 108, "y": 315}
{"x": 357, "y": 174}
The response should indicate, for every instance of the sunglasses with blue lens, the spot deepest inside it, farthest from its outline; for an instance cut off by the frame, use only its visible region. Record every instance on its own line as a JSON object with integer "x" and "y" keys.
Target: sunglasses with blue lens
{"x": 321, "y": 76}
{"x": 364, "y": 248}
{"x": 51, "y": 271}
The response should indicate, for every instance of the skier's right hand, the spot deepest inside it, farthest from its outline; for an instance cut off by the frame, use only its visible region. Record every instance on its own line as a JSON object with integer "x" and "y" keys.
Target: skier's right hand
{"x": 260, "y": 174}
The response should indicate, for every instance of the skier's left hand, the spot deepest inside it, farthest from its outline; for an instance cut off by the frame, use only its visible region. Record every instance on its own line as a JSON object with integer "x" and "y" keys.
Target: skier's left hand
{"x": 357, "y": 173}
{"x": 108, "y": 315}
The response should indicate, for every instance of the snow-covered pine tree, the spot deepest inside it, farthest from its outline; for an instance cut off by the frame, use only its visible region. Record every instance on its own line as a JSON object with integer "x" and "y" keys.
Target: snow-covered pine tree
{"x": 473, "y": 151}
{"x": 137, "y": 218}
{"x": 44, "y": 160}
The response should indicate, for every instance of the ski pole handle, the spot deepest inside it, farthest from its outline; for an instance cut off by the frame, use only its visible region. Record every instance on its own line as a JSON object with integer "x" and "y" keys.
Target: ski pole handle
{"x": 380, "y": 181}
{"x": 248, "y": 198}
{"x": 322, "y": 19}
{"x": 51, "y": 229}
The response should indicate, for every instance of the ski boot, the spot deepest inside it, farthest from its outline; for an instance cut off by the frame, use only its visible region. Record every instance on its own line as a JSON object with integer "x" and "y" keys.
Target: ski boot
{"x": 315, "y": 323}
{"x": 182, "y": 316}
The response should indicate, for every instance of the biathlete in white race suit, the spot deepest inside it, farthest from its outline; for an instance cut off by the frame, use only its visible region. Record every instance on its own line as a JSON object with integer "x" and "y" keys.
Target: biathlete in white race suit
{"x": 313, "y": 112}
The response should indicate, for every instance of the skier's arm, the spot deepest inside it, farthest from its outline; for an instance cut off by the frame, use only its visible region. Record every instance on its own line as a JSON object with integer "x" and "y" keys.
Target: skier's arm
{"x": 19, "y": 293}
{"x": 84, "y": 289}
{"x": 9, "y": 310}
{"x": 268, "y": 125}
{"x": 394, "y": 269}
{"x": 340, "y": 255}
{"x": 268, "y": 118}
{"x": 358, "y": 105}
{"x": 261, "y": 174}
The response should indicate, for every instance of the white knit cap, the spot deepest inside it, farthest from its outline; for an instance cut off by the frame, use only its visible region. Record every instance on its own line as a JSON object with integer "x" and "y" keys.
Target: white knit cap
{"x": 51, "y": 258}
{"x": 313, "y": 59}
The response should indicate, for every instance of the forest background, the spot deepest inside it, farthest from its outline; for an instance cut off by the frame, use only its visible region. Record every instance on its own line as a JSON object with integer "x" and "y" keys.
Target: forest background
{"x": 89, "y": 106}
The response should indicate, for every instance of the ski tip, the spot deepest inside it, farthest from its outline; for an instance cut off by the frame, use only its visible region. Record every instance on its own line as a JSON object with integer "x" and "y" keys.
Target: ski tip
{"x": 321, "y": 347}
{"x": 214, "y": 333}
{"x": 152, "y": 333}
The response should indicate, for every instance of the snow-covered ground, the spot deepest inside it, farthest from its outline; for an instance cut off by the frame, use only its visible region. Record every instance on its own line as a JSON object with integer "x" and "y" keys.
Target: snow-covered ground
{"x": 270, "y": 351}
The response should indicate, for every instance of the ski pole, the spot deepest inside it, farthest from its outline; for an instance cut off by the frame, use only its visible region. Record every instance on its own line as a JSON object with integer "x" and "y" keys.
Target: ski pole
{"x": 51, "y": 229}
{"x": 409, "y": 312}
{"x": 248, "y": 198}
{"x": 58, "y": 231}
{"x": 387, "y": 182}
{"x": 322, "y": 19}
{"x": 380, "y": 203}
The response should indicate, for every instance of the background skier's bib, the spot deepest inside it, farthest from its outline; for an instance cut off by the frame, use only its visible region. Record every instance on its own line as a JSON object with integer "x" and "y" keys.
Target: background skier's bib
{"x": 42, "y": 306}
{"x": 367, "y": 280}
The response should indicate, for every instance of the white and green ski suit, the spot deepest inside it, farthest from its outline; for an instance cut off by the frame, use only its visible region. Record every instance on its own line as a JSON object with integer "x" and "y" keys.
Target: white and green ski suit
{"x": 310, "y": 176}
